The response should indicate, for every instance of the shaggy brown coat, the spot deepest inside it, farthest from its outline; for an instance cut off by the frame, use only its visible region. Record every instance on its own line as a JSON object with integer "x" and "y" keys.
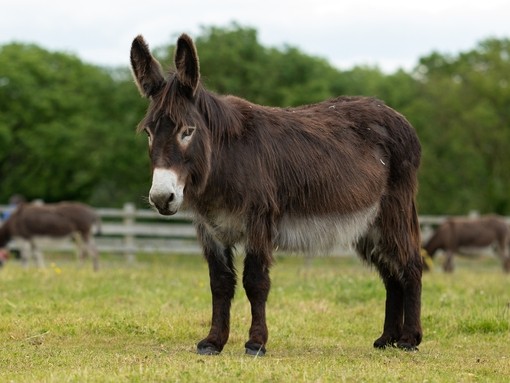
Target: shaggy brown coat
{"x": 297, "y": 179}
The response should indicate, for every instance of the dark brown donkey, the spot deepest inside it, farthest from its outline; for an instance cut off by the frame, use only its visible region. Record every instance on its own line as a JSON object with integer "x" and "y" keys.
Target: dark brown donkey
{"x": 296, "y": 178}
{"x": 53, "y": 220}
{"x": 461, "y": 232}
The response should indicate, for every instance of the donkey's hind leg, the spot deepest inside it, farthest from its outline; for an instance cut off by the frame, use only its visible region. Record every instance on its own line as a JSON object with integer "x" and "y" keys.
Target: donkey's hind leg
{"x": 403, "y": 299}
{"x": 399, "y": 263}
{"x": 369, "y": 249}
{"x": 394, "y": 310}
{"x": 402, "y": 319}
{"x": 80, "y": 247}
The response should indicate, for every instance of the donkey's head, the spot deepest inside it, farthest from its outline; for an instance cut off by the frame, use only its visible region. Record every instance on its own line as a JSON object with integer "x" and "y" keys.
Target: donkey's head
{"x": 179, "y": 144}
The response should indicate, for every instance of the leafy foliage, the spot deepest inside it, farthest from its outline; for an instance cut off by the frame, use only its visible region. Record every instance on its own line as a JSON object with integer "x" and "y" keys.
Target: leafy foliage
{"x": 234, "y": 62}
{"x": 465, "y": 100}
{"x": 67, "y": 128}
{"x": 63, "y": 127}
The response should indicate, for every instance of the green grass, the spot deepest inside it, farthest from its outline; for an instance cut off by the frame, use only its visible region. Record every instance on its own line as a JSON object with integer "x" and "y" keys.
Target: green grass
{"x": 140, "y": 323}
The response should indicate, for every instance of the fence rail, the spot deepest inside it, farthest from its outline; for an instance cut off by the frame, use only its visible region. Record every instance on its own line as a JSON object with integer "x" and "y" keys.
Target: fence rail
{"x": 129, "y": 231}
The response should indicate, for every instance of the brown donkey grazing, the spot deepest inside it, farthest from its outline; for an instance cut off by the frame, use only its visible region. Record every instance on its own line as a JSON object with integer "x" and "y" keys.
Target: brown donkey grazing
{"x": 62, "y": 219}
{"x": 457, "y": 233}
{"x": 299, "y": 179}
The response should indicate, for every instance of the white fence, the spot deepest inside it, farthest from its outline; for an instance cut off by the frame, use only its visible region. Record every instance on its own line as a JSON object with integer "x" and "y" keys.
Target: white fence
{"x": 129, "y": 231}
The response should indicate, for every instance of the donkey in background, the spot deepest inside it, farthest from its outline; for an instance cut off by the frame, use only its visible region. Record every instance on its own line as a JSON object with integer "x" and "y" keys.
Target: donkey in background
{"x": 32, "y": 220}
{"x": 295, "y": 178}
{"x": 457, "y": 233}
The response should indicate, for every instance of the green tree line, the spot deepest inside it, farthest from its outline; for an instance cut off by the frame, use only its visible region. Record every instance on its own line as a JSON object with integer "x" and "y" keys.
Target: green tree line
{"x": 67, "y": 128}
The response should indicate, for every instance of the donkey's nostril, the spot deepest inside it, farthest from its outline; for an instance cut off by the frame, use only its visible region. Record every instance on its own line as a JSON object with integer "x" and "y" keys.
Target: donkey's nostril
{"x": 161, "y": 201}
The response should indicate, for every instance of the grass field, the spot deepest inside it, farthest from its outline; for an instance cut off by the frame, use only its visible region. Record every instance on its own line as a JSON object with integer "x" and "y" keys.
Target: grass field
{"x": 140, "y": 323}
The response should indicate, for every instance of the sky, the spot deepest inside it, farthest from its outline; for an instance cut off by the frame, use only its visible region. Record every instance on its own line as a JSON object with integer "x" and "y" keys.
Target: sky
{"x": 390, "y": 34}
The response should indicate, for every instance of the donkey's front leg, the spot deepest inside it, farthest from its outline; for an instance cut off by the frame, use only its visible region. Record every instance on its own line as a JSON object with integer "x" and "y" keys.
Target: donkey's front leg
{"x": 223, "y": 281}
{"x": 256, "y": 282}
{"x": 448, "y": 262}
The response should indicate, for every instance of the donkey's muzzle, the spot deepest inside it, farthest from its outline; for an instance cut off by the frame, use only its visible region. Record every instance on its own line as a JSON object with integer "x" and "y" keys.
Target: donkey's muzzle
{"x": 163, "y": 203}
{"x": 166, "y": 192}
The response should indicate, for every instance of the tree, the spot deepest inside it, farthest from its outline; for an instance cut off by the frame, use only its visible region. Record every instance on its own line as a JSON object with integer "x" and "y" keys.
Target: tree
{"x": 60, "y": 125}
{"x": 234, "y": 62}
{"x": 464, "y": 127}
{"x": 67, "y": 128}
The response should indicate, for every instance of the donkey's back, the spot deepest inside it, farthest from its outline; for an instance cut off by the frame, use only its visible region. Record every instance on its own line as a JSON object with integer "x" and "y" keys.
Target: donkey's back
{"x": 82, "y": 216}
{"x": 53, "y": 220}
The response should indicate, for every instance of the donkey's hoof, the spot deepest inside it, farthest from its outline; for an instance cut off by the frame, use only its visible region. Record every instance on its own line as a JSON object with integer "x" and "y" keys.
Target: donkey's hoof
{"x": 407, "y": 346}
{"x": 207, "y": 351}
{"x": 384, "y": 342}
{"x": 255, "y": 349}
{"x": 206, "y": 348}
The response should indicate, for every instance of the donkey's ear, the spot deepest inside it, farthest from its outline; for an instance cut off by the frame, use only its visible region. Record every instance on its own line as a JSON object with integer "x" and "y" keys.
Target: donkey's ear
{"x": 147, "y": 70}
{"x": 186, "y": 63}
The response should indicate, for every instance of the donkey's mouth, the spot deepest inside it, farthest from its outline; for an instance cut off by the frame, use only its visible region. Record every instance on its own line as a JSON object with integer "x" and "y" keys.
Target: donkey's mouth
{"x": 163, "y": 209}
{"x": 166, "y": 210}
{"x": 165, "y": 204}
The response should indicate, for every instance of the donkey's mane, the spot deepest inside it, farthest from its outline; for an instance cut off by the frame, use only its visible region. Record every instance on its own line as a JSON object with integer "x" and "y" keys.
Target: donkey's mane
{"x": 174, "y": 100}
{"x": 224, "y": 120}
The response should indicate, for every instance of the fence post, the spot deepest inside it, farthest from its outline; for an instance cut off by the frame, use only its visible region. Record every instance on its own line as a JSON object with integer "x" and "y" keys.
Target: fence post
{"x": 129, "y": 237}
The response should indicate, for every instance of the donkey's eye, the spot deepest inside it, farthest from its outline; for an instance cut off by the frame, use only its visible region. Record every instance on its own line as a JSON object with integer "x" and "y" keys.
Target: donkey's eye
{"x": 149, "y": 136}
{"x": 187, "y": 133}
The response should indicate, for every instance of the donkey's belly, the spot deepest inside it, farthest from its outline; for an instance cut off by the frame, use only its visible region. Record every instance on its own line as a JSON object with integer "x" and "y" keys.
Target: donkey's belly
{"x": 322, "y": 233}
{"x": 310, "y": 234}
